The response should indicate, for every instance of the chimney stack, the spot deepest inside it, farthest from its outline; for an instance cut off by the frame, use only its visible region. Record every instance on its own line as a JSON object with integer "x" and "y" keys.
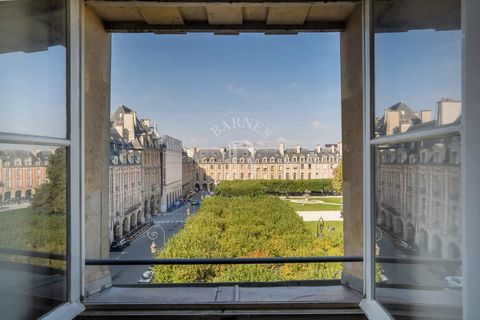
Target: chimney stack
{"x": 392, "y": 121}
{"x": 298, "y": 148}
{"x": 318, "y": 148}
{"x": 281, "y": 148}
{"x": 426, "y": 115}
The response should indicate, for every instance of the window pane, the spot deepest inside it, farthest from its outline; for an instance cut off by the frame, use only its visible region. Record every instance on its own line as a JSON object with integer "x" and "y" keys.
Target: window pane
{"x": 417, "y": 184}
{"x": 33, "y": 68}
{"x": 417, "y": 65}
{"x": 32, "y": 230}
{"x": 418, "y": 216}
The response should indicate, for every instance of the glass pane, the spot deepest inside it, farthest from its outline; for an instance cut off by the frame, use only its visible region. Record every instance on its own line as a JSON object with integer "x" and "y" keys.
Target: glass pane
{"x": 417, "y": 65}
{"x": 32, "y": 230}
{"x": 418, "y": 226}
{"x": 33, "y": 68}
{"x": 417, "y": 184}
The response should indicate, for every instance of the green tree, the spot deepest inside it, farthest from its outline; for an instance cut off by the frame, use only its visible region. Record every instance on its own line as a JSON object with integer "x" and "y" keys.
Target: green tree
{"x": 248, "y": 226}
{"x": 337, "y": 182}
{"x": 51, "y": 197}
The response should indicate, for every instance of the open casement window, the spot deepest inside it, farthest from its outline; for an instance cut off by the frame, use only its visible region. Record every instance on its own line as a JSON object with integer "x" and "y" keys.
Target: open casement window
{"x": 416, "y": 137}
{"x": 39, "y": 160}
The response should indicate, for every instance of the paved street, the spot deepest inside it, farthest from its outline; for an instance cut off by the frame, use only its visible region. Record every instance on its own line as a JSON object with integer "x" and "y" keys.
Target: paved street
{"x": 403, "y": 273}
{"x": 167, "y": 224}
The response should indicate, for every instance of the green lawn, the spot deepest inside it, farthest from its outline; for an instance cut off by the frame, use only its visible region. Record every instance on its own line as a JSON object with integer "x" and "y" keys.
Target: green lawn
{"x": 313, "y": 225}
{"x": 314, "y": 206}
{"x": 26, "y": 229}
{"x": 338, "y": 200}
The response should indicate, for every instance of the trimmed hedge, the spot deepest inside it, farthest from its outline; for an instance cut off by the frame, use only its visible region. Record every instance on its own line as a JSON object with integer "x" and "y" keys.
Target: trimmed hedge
{"x": 260, "y": 226}
{"x": 253, "y": 188}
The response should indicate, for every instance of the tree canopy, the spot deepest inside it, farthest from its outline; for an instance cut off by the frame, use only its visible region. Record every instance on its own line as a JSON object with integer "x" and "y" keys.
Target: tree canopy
{"x": 263, "y": 187}
{"x": 337, "y": 182}
{"x": 51, "y": 197}
{"x": 244, "y": 226}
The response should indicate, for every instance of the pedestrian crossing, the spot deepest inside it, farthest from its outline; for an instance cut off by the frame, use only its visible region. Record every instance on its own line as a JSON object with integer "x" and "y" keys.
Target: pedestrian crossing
{"x": 174, "y": 214}
{"x": 171, "y": 221}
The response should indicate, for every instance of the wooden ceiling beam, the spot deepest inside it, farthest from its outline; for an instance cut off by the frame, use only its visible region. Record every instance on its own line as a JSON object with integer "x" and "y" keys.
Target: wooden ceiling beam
{"x": 246, "y": 27}
{"x": 190, "y": 3}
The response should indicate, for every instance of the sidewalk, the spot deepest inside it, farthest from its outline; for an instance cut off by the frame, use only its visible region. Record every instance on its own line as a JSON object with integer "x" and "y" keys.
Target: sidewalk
{"x": 316, "y": 215}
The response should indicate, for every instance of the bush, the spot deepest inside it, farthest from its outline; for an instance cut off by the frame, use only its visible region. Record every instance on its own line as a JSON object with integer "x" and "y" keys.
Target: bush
{"x": 251, "y": 188}
{"x": 244, "y": 226}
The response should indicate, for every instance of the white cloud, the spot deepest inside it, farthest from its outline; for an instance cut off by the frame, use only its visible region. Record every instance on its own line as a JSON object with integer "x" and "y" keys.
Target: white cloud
{"x": 236, "y": 90}
{"x": 320, "y": 125}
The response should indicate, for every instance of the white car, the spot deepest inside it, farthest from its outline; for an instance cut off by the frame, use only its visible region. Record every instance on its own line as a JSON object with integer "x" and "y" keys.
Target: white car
{"x": 146, "y": 277}
{"x": 454, "y": 281}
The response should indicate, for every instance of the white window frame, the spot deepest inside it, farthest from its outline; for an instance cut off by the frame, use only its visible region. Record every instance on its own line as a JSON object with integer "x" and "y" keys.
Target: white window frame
{"x": 75, "y": 227}
{"x": 469, "y": 130}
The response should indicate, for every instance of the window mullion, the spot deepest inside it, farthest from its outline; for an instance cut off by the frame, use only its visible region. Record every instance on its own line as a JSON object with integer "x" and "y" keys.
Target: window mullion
{"x": 33, "y": 140}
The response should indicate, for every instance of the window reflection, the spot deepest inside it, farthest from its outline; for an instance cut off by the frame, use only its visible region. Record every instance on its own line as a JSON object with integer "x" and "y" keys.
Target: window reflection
{"x": 417, "y": 184}
{"x": 33, "y": 68}
{"x": 32, "y": 228}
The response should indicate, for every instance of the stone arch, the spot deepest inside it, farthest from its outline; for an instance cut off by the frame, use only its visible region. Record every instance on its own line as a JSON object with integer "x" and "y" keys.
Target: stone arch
{"x": 423, "y": 241}
{"x": 212, "y": 187}
{"x": 133, "y": 221}
{"x": 197, "y": 186}
{"x": 28, "y": 193}
{"x": 437, "y": 247}
{"x": 146, "y": 208}
{"x": 152, "y": 205}
{"x": 453, "y": 251}
{"x": 18, "y": 195}
{"x": 139, "y": 218}
{"x": 381, "y": 219}
{"x": 410, "y": 233}
{"x": 117, "y": 231}
{"x": 126, "y": 226}
{"x": 204, "y": 186}
{"x": 389, "y": 222}
{"x": 398, "y": 228}
{"x": 7, "y": 196}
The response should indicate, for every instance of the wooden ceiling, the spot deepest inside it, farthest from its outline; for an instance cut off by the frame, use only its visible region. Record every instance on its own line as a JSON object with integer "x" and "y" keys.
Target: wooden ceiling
{"x": 223, "y": 16}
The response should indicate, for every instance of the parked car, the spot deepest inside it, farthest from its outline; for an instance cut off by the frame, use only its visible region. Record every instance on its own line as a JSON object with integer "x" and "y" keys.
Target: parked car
{"x": 146, "y": 277}
{"x": 407, "y": 248}
{"x": 119, "y": 245}
{"x": 177, "y": 203}
{"x": 195, "y": 202}
{"x": 454, "y": 281}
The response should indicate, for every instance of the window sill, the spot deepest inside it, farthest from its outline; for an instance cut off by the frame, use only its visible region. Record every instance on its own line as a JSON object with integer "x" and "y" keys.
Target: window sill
{"x": 226, "y": 299}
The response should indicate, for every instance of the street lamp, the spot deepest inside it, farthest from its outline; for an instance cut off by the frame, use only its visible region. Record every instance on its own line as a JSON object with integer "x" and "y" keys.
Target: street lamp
{"x": 153, "y": 248}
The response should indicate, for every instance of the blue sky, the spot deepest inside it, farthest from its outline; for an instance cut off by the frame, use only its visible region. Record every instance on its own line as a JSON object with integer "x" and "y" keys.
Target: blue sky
{"x": 417, "y": 67}
{"x": 184, "y": 82}
{"x": 33, "y": 92}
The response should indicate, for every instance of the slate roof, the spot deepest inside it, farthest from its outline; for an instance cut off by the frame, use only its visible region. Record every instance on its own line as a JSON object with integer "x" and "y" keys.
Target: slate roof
{"x": 208, "y": 154}
{"x": 38, "y": 158}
